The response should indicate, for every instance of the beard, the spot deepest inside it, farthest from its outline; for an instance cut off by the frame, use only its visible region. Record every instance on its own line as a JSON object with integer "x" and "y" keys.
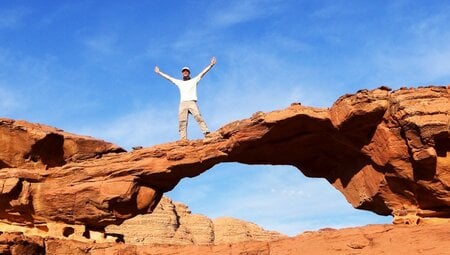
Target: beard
{"x": 186, "y": 78}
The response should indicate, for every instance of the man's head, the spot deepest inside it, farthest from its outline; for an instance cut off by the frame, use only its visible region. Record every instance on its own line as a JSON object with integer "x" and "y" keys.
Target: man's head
{"x": 186, "y": 73}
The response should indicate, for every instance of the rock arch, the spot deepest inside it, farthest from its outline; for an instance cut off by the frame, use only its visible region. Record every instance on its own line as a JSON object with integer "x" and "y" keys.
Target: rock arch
{"x": 386, "y": 151}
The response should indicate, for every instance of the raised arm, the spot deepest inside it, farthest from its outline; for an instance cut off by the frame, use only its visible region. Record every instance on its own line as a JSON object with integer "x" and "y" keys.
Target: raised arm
{"x": 213, "y": 62}
{"x": 163, "y": 74}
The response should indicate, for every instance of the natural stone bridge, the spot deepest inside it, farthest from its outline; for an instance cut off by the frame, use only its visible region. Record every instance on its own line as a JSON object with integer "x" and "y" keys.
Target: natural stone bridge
{"x": 385, "y": 151}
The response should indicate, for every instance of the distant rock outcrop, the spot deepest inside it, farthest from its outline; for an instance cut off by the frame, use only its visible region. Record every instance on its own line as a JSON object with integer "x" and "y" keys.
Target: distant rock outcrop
{"x": 386, "y": 151}
{"x": 173, "y": 223}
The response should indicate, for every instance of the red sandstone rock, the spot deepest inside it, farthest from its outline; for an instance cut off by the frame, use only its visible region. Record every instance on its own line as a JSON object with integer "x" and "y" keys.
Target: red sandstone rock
{"x": 37, "y": 146}
{"x": 387, "y": 152}
{"x": 426, "y": 239}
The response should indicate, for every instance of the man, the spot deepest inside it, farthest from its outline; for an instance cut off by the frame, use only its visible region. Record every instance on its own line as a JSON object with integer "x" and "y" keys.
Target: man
{"x": 188, "y": 97}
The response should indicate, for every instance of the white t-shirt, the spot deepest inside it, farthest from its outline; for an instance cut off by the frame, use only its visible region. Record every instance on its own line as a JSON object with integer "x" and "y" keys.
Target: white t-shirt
{"x": 188, "y": 89}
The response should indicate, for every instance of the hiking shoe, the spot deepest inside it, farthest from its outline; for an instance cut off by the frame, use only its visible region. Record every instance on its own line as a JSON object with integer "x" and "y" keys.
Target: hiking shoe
{"x": 183, "y": 141}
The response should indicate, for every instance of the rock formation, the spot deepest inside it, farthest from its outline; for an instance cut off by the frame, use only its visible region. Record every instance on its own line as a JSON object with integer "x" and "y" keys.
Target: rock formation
{"x": 386, "y": 151}
{"x": 369, "y": 240}
{"x": 173, "y": 223}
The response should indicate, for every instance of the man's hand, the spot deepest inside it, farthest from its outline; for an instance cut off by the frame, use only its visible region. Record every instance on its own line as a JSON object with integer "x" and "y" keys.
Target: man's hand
{"x": 213, "y": 61}
{"x": 156, "y": 69}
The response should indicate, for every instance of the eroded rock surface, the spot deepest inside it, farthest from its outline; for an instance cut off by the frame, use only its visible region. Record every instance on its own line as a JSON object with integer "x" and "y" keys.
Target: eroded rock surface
{"x": 369, "y": 240}
{"x": 386, "y": 151}
{"x": 173, "y": 223}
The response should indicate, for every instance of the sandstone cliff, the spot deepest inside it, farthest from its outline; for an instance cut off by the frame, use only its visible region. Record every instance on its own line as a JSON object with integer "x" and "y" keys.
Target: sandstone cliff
{"x": 173, "y": 223}
{"x": 386, "y": 151}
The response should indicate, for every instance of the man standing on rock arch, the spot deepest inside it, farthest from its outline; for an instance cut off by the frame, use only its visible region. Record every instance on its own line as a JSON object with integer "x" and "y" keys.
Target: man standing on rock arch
{"x": 188, "y": 98}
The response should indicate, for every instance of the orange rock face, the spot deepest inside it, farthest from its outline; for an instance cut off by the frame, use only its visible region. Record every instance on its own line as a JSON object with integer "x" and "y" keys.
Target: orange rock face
{"x": 28, "y": 153}
{"x": 386, "y": 151}
{"x": 368, "y": 240}
{"x": 35, "y": 146}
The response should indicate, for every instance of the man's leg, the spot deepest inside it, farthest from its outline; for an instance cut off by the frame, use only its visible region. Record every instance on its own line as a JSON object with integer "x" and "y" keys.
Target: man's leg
{"x": 193, "y": 108}
{"x": 183, "y": 111}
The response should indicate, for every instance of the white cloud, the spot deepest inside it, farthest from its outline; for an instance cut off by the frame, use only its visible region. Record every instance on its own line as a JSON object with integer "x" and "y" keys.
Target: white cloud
{"x": 146, "y": 127}
{"x": 418, "y": 54}
{"x": 242, "y": 11}
{"x": 431, "y": 26}
{"x": 58, "y": 12}
{"x": 221, "y": 16}
{"x": 190, "y": 39}
{"x": 11, "y": 18}
{"x": 23, "y": 81}
{"x": 417, "y": 63}
{"x": 102, "y": 43}
{"x": 289, "y": 44}
{"x": 431, "y": 51}
{"x": 252, "y": 78}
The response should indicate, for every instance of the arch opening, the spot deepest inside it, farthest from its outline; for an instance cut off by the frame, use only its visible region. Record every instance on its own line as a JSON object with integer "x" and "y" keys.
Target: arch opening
{"x": 278, "y": 198}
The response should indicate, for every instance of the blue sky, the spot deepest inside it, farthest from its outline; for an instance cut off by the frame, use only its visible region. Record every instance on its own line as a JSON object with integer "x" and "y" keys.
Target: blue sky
{"x": 87, "y": 67}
